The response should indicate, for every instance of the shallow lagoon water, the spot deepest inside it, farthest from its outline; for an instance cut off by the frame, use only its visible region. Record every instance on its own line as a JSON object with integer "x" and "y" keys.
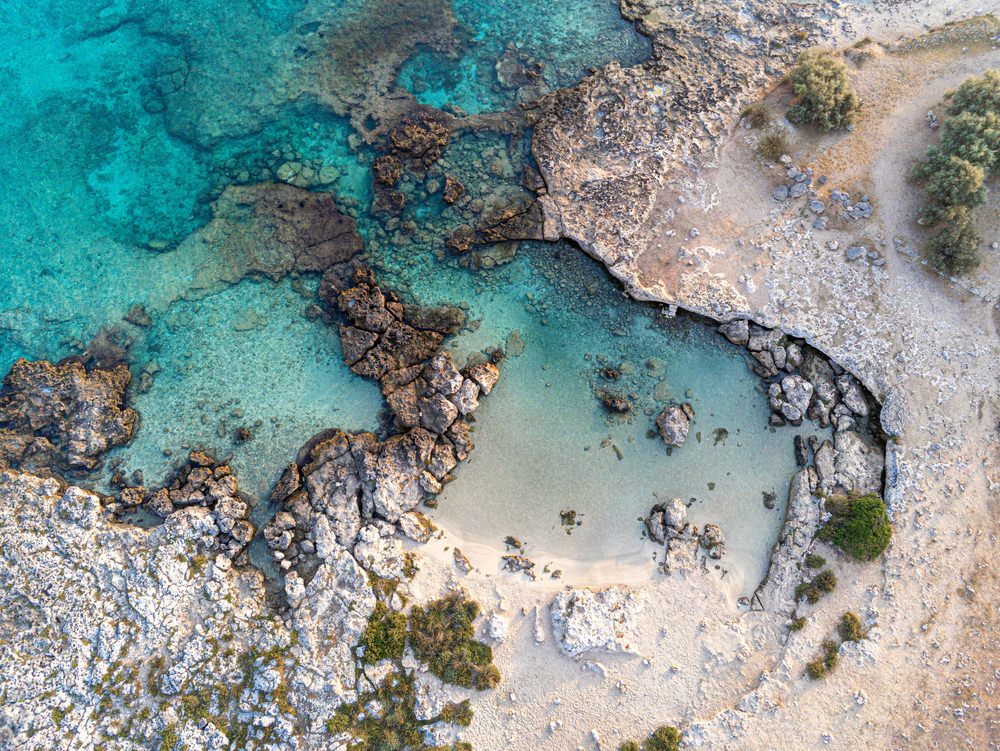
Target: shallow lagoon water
{"x": 121, "y": 125}
{"x": 545, "y": 444}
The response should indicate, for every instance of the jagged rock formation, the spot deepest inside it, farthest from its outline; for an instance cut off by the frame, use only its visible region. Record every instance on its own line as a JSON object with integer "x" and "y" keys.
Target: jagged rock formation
{"x": 204, "y": 482}
{"x": 63, "y": 416}
{"x": 354, "y": 490}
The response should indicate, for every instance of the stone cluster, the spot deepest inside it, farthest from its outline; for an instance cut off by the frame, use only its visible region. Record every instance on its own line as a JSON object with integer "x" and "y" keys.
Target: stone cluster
{"x": 204, "y": 482}
{"x": 802, "y": 382}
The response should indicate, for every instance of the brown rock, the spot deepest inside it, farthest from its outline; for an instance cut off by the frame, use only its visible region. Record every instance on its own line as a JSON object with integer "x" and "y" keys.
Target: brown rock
{"x": 62, "y": 416}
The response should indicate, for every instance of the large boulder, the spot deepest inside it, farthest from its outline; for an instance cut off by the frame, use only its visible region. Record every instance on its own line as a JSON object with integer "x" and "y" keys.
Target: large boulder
{"x": 674, "y": 422}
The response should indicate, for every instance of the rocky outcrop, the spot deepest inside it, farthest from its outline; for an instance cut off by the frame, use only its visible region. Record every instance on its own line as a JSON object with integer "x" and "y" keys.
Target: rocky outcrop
{"x": 201, "y": 482}
{"x": 803, "y": 517}
{"x": 62, "y": 417}
{"x": 674, "y": 422}
{"x": 585, "y": 621}
{"x": 346, "y": 488}
{"x": 275, "y": 229}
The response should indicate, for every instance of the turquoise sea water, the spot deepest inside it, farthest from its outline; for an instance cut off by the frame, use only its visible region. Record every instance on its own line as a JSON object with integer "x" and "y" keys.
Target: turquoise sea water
{"x": 122, "y": 122}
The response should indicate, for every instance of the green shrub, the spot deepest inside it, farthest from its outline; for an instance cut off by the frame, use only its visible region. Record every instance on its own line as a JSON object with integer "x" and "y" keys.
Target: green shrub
{"x": 954, "y": 248}
{"x": 815, "y": 669}
{"x": 772, "y": 145}
{"x": 825, "y": 581}
{"x": 850, "y": 627}
{"x": 664, "y": 738}
{"x": 815, "y": 561}
{"x": 757, "y": 115}
{"x": 808, "y": 590}
{"x": 819, "y": 667}
{"x": 975, "y": 138}
{"x": 170, "y": 738}
{"x": 385, "y": 635}
{"x": 825, "y": 96}
{"x": 441, "y": 635}
{"x": 977, "y": 95}
{"x": 951, "y": 182}
{"x": 629, "y": 746}
{"x": 797, "y": 624}
{"x": 956, "y": 173}
{"x": 859, "y": 526}
{"x": 458, "y": 713}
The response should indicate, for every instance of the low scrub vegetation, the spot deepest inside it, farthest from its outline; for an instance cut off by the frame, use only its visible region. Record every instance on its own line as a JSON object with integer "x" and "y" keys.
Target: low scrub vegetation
{"x": 824, "y": 96}
{"x": 859, "y": 526}
{"x": 756, "y": 114}
{"x": 773, "y": 145}
{"x": 819, "y": 667}
{"x": 664, "y": 738}
{"x": 955, "y": 173}
{"x": 441, "y": 635}
{"x": 851, "y": 628}
{"x": 823, "y": 583}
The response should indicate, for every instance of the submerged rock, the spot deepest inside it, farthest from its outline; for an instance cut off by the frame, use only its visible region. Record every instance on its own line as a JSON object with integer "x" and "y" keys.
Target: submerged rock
{"x": 586, "y": 621}
{"x": 674, "y": 422}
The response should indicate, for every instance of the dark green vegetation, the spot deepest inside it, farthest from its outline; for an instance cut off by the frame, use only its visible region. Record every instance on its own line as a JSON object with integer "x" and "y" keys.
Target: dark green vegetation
{"x": 850, "y": 627}
{"x": 815, "y": 561}
{"x": 823, "y": 583}
{"x": 797, "y": 624}
{"x": 955, "y": 173}
{"x": 664, "y": 738}
{"x": 441, "y": 635}
{"x": 859, "y": 526}
{"x": 824, "y": 96}
{"x": 395, "y": 727}
{"x": 385, "y": 636}
{"x": 823, "y": 665}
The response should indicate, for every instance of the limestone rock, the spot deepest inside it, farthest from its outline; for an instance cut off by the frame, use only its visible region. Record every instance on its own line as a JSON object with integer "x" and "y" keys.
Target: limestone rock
{"x": 674, "y": 422}
{"x": 62, "y": 416}
{"x": 585, "y": 621}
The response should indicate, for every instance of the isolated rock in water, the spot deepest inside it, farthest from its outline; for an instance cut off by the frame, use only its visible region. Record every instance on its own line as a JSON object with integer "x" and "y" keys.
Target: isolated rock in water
{"x": 615, "y": 404}
{"x": 62, "y": 416}
{"x": 655, "y": 525}
{"x": 674, "y": 422}
{"x": 712, "y": 540}
{"x": 586, "y": 621}
{"x": 420, "y": 135}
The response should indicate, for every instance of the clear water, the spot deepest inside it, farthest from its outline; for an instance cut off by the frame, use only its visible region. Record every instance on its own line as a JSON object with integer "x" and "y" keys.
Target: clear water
{"x": 545, "y": 444}
{"x": 567, "y": 37}
{"x": 122, "y": 121}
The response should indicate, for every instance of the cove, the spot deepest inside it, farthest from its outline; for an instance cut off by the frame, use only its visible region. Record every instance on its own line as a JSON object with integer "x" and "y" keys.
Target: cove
{"x": 545, "y": 444}
{"x": 122, "y": 129}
